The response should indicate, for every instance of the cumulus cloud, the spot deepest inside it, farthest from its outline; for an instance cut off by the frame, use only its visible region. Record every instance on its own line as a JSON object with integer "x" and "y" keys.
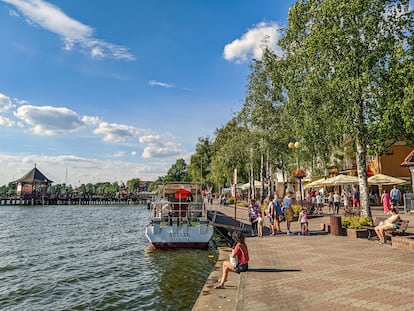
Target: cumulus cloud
{"x": 21, "y": 101}
{"x": 72, "y": 32}
{"x": 5, "y": 103}
{"x": 160, "y": 150}
{"x": 90, "y": 120}
{"x": 162, "y": 84}
{"x": 113, "y": 132}
{"x": 47, "y": 120}
{"x": 251, "y": 44}
{"x": 6, "y": 122}
{"x": 149, "y": 138}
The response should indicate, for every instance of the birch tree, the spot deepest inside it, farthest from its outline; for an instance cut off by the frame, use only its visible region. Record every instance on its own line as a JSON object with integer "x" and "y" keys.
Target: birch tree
{"x": 339, "y": 54}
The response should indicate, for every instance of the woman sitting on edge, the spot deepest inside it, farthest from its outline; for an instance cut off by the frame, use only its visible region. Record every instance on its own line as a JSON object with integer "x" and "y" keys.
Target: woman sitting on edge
{"x": 390, "y": 222}
{"x": 240, "y": 251}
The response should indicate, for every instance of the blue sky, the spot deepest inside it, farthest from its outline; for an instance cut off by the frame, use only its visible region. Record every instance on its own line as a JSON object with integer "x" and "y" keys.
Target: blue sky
{"x": 94, "y": 91}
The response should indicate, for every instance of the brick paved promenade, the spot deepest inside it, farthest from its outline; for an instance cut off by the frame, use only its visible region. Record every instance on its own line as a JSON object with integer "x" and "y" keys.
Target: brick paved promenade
{"x": 316, "y": 272}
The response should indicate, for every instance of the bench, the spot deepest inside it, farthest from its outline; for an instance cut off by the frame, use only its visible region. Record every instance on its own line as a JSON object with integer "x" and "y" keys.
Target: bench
{"x": 400, "y": 230}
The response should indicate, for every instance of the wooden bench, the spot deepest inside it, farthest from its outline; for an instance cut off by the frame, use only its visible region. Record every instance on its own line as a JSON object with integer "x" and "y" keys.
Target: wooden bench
{"x": 400, "y": 230}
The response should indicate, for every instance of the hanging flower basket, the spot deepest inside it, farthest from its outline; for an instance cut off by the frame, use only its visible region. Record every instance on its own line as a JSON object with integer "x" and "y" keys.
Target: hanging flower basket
{"x": 300, "y": 173}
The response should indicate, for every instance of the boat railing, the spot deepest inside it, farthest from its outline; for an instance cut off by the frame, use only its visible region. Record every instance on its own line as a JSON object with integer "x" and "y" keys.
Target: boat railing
{"x": 178, "y": 211}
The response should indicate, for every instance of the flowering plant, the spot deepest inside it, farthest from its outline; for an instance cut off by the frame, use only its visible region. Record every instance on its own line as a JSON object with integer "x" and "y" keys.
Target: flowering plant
{"x": 299, "y": 173}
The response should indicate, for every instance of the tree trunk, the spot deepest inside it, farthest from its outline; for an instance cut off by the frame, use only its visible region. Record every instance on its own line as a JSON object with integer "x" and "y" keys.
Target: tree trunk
{"x": 363, "y": 181}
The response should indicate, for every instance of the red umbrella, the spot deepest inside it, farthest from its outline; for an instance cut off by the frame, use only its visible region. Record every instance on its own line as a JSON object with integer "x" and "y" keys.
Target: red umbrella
{"x": 182, "y": 194}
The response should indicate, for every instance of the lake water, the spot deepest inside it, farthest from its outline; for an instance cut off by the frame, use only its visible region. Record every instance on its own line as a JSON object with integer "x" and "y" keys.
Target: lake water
{"x": 92, "y": 258}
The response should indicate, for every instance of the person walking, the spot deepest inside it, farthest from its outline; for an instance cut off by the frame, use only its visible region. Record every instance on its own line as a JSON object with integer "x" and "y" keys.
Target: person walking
{"x": 395, "y": 195}
{"x": 355, "y": 200}
{"x": 278, "y": 212}
{"x": 319, "y": 203}
{"x": 337, "y": 202}
{"x": 287, "y": 211}
{"x": 271, "y": 214}
{"x": 330, "y": 202}
{"x": 386, "y": 201}
{"x": 253, "y": 211}
{"x": 303, "y": 221}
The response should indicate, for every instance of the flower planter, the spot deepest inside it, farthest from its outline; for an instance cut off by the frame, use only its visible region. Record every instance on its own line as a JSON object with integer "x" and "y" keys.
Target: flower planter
{"x": 357, "y": 233}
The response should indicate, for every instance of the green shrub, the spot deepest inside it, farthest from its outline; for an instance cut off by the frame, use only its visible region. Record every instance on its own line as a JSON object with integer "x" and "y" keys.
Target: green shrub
{"x": 355, "y": 222}
{"x": 230, "y": 200}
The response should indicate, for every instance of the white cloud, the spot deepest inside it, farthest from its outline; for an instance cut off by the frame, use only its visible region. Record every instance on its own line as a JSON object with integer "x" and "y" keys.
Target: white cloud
{"x": 133, "y": 153}
{"x": 159, "y": 150}
{"x": 149, "y": 138}
{"x": 21, "y": 101}
{"x": 5, "y": 103}
{"x": 251, "y": 44}
{"x": 71, "y": 31}
{"x": 90, "y": 120}
{"x": 162, "y": 84}
{"x": 113, "y": 132}
{"x": 47, "y": 120}
{"x": 6, "y": 122}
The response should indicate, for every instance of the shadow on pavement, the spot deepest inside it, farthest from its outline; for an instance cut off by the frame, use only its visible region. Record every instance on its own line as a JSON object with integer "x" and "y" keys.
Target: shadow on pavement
{"x": 273, "y": 270}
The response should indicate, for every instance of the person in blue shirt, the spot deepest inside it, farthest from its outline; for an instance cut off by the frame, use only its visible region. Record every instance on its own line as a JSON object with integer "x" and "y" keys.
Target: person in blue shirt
{"x": 355, "y": 201}
{"x": 278, "y": 212}
{"x": 395, "y": 195}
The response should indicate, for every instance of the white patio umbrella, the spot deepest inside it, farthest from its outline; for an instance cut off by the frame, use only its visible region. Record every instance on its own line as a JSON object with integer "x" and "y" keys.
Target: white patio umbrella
{"x": 384, "y": 180}
{"x": 340, "y": 180}
{"x": 257, "y": 185}
{"x": 316, "y": 183}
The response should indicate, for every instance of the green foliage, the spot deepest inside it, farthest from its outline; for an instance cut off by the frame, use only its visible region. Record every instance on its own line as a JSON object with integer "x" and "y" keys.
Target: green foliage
{"x": 230, "y": 150}
{"x": 133, "y": 185}
{"x": 340, "y": 71}
{"x": 356, "y": 222}
{"x": 177, "y": 172}
{"x": 230, "y": 200}
{"x": 9, "y": 189}
{"x": 199, "y": 168}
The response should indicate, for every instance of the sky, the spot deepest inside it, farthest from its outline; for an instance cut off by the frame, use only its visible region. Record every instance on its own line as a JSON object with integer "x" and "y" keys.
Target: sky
{"x": 110, "y": 90}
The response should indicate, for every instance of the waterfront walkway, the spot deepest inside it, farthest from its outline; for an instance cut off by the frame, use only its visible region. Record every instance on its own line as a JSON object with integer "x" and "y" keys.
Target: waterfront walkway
{"x": 316, "y": 272}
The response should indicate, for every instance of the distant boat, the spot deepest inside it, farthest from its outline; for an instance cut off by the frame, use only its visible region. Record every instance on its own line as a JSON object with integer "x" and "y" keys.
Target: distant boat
{"x": 179, "y": 218}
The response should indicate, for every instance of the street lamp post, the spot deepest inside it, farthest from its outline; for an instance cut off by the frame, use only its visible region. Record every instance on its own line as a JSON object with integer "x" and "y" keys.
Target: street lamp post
{"x": 296, "y": 145}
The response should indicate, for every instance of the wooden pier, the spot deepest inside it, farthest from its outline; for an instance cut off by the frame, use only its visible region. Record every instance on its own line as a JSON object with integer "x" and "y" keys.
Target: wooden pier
{"x": 35, "y": 200}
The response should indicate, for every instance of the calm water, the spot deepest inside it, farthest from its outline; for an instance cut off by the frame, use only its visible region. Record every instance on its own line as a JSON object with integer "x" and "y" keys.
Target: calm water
{"x": 92, "y": 258}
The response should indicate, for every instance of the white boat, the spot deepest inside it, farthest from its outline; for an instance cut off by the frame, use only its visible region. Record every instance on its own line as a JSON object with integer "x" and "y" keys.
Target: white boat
{"x": 179, "y": 218}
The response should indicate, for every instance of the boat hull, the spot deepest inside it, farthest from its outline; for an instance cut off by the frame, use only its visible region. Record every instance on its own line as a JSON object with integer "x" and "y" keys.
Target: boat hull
{"x": 170, "y": 237}
{"x": 176, "y": 245}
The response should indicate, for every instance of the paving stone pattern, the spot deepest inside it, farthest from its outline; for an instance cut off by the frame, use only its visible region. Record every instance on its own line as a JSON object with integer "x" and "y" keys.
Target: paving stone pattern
{"x": 316, "y": 272}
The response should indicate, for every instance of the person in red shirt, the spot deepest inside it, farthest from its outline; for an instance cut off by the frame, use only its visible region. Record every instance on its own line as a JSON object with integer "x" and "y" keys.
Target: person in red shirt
{"x": 240, "y": 252}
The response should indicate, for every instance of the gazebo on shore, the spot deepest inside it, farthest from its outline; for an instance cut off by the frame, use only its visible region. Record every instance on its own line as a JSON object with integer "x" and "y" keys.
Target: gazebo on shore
{"x": 27, "y": 185}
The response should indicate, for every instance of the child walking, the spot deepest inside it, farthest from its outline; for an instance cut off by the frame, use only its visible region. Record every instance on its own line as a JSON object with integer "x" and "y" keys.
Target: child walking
{"x": 303, "y": 220}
